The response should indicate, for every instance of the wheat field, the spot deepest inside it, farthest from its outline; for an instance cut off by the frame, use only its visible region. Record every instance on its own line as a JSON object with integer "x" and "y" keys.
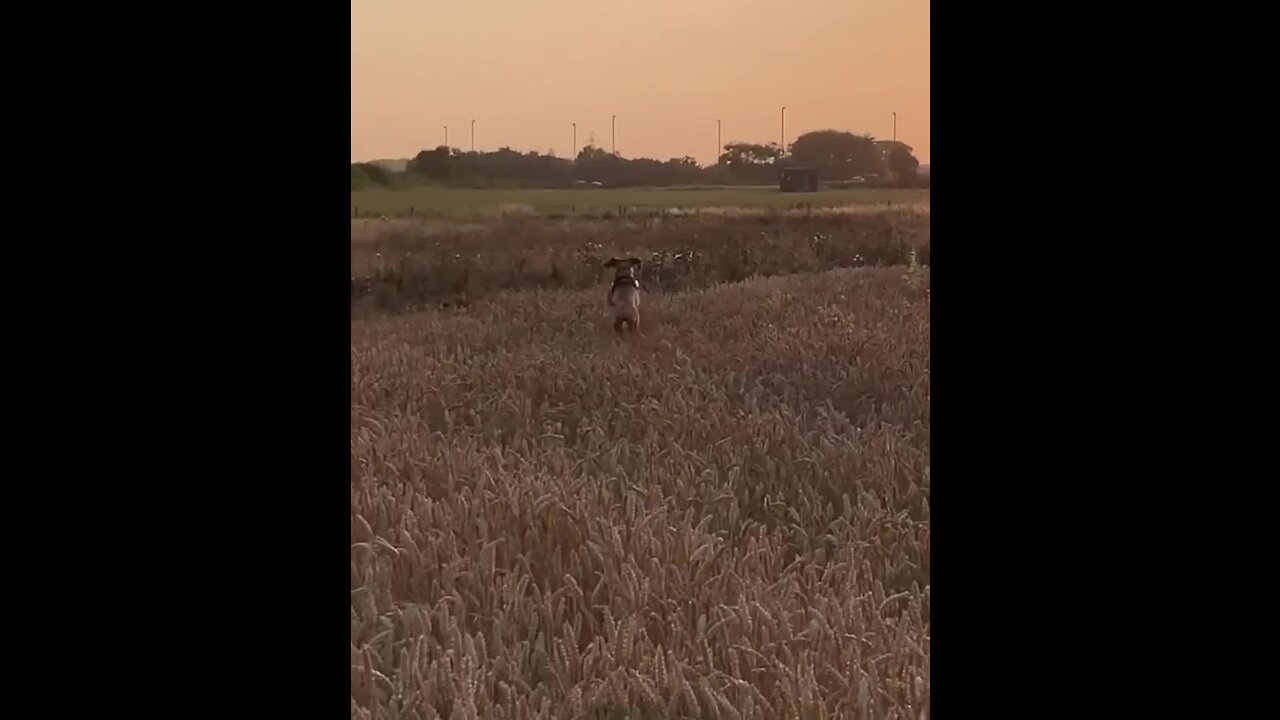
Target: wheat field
{"x": 724, "y": 516}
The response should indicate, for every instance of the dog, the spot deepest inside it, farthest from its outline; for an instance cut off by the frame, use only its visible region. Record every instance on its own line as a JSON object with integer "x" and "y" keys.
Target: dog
{"x": 624, "y": 294}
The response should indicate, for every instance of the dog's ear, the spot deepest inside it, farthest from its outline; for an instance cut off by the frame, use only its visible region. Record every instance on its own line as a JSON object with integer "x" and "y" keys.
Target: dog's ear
{"x": 635, "y": 261}
{"x": 613, "y": 262}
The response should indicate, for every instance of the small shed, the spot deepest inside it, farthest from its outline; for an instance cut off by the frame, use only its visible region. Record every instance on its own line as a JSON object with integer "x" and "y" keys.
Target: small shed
{"x": 798, "y": 179}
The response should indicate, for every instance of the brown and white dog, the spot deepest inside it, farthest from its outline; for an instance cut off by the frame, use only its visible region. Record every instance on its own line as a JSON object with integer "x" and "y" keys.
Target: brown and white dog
{"x": 624, "y": 293}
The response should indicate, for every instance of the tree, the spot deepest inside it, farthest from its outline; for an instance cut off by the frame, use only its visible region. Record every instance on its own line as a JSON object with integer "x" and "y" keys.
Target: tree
{"x": 898, "y": 158}
{"x": 681, "y": 171}
{"x": 837, "y": 154}
{"x": 436, "y": 164}
{"x": 591, "y": 153}
{"x": 751, "y": 162}
{"x": 740, "y": 154}
{"x": 902, "y": 161}
{"x": 599, "y": 165}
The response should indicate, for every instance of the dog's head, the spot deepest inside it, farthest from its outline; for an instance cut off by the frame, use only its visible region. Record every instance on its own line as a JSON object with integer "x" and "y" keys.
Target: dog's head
{"x": 623, "y": 267}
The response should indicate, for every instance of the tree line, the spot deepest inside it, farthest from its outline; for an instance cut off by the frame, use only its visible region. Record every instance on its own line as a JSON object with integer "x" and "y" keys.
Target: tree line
{"x": 839, "y": 156}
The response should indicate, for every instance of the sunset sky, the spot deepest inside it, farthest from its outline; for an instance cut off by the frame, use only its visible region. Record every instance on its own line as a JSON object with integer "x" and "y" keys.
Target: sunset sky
{"x": 526, "y": 69}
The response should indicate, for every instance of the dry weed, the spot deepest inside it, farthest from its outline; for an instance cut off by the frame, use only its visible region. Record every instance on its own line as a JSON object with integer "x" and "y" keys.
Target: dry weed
{"x": 402, "y": 265}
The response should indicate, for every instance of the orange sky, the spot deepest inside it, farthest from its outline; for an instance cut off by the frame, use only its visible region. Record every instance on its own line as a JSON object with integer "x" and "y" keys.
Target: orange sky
{"x": 526, "y": 69}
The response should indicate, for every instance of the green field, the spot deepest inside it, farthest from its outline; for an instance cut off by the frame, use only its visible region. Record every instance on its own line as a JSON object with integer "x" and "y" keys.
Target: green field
{"x": 445, "y": 202}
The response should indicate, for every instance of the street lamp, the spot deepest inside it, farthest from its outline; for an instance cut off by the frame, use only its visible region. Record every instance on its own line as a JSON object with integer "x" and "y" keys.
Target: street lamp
{"x": 784, "y": 130}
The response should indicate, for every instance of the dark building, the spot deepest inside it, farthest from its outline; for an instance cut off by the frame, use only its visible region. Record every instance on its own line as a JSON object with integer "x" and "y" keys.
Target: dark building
{"x": 798, "y": 179}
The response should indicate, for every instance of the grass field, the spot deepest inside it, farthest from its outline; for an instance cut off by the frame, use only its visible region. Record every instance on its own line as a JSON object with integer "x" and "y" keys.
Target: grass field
{"x": 725, "y": 515}
{"x": 461, "y": 203}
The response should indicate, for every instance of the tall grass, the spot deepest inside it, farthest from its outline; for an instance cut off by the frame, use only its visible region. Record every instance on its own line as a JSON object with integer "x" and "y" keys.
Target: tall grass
{"x": 725, "y": 516}
{"x": 401, "y": 264}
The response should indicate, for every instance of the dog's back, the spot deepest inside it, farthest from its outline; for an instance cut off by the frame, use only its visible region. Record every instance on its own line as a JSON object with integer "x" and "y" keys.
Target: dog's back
{"x": 624, "y": 294}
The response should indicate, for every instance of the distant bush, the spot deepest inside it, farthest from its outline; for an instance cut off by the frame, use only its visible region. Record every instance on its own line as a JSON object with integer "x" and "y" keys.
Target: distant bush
{"x": 359, "y": 178}
{"x": 365, "y": 175}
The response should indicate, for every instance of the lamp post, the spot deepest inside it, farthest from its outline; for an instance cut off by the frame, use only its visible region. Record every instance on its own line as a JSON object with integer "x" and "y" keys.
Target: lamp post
{"x": 784, "y": 130}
